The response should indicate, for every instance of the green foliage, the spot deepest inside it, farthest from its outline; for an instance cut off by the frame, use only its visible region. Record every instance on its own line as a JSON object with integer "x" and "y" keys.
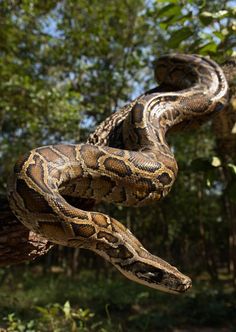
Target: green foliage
{"x": 54, "y": 317}
{"x": 15, "y": 324}
{"x": 110, "y": 303}
{"x": 57, "y": 318}
{"x": 197, "y": 26}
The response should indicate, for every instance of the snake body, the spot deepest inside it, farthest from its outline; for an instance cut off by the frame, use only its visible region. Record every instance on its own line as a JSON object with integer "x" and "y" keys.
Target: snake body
{"x": 126, "y": 161}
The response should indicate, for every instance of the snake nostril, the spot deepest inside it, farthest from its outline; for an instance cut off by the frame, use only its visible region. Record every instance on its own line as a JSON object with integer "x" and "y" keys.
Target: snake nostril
{"x": 186, "y": 285}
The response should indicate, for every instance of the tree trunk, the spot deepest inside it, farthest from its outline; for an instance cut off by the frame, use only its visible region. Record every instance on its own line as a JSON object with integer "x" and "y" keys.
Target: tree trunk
{"x": 17, "y": 243}
{"x": 224, "y": 126}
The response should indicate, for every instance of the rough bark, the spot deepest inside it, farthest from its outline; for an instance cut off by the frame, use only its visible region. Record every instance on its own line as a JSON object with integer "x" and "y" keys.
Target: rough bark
{"x": 17, "y": 243}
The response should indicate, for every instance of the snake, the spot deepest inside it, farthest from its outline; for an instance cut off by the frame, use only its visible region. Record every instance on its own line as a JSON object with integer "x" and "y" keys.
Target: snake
{"x": 126, "y": 161}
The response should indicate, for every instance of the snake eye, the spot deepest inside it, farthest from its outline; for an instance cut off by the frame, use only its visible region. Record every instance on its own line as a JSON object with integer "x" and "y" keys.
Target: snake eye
{"x": 146, "y": 275}
{"x": 149, "y": 273}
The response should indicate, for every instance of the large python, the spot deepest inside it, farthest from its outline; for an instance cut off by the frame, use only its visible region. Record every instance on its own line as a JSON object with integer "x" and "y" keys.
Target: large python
{"x": 126, "y": 161}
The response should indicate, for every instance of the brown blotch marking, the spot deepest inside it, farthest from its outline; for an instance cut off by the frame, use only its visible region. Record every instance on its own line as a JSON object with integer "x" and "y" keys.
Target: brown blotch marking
{"x": 119, "y": 252}
{"x": 102, "y": 246}
{"x": 115, "y": 152}
{"x": 67, "y": 150}
{"x": 119, "y": 195}
{"x": 119, "y": 152}
{"x": 80, "y": 203}
{"x": 90, "y": 155}
{"x": 18, "y": 210}
{"x": 143, "y": 139}
{"x": 144, "y": 163}
{"x": 77, "y": 170}
{"x": 171, "y": 98}
{"x": 48, "y": 154}
{"x": 137, "y": 113}
{"x": 123, "y": 194}
{"x": 82, "y": 186}
{"x": 102, "y": 186}
{"x": 164, "y": 178}
{"x": 53, "y": 231}
{"x": 83, "y": 230}
{"x": 74, "y": 172}
{"x": 107, "y": 236}
{"x": 75, "y": 243}
{"x": 36, "y": 173}
{"x": 33, "y": 201}
{"x": 200, "y": 104}
{"x": 68, "y": 210}
{"x": 165, "y": 99}
{"x": 145, "y": 185}
{"x": 100, "y": 220}
{"x": 20, "y": 163}
{"x": 117, "y": 166}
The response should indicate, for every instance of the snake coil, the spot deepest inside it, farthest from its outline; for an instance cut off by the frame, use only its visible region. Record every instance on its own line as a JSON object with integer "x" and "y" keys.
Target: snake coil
{"x": 126, "y": 161}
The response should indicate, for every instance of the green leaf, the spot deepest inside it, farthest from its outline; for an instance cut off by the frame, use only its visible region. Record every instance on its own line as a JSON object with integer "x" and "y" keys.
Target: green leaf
{"x": 67, "y": 310}
{"x": 219, "y": 35}
{"x": 42, "y": 310}
{"x": 216, "y": 162}
{"x": 178, "y": 36}
{"x": 206, "y": 18}
{"x": 169, "y": 10}
{"x": 208, "y": 48}
{"x": 232, "y": 167}
{"x": 211, "y": 176}
{"x": 220, "y": 14}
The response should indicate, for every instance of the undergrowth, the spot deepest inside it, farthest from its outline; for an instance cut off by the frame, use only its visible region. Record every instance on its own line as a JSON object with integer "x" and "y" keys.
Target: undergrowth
{"x": 36, "y": 302}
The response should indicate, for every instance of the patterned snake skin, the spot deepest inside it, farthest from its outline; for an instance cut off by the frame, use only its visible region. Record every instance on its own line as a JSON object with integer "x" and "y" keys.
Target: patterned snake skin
{"x": 126, "y": 161}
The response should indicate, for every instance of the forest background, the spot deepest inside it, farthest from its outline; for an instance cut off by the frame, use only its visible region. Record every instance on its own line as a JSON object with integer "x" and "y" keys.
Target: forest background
{"x": 64, "y": 67}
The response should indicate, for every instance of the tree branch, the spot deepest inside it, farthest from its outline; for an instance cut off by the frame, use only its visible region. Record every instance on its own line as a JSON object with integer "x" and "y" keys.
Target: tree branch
{"x": 17, "y": 243}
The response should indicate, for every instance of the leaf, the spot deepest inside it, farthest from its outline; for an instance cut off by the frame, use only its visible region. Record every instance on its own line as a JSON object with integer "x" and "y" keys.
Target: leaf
{"x": 67, "y": 310}
{"x": 208, "y": 48}
{"x": 178, "y": 36}
{"x": 232, "y": 167}
{"x": 219, "y": 35}
{"x": 211, "y": 176}
{"x": 206, "y": 18}
{"x": 169, "y": 10}
{"x": 220, "y": 14}
{"x": 216, "y": 162}
{"x": 42, "y": 310}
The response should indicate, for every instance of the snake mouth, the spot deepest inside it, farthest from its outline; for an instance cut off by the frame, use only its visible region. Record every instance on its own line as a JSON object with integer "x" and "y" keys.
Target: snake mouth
{"x": 182, "y": 288}
{"x": 163, "y": 277}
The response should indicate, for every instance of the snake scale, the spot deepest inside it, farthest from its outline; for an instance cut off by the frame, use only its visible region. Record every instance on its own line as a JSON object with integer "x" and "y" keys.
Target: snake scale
{"x": 125, "y": 161}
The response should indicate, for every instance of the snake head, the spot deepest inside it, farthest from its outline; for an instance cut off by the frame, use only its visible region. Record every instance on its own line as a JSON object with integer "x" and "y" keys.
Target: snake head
{"x": 158, "y": 275}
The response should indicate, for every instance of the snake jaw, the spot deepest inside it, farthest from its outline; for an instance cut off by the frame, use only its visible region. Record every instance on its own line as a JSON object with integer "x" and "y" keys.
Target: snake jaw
{"x": 168, "y": 284}
{"x": 154, "y": 272}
